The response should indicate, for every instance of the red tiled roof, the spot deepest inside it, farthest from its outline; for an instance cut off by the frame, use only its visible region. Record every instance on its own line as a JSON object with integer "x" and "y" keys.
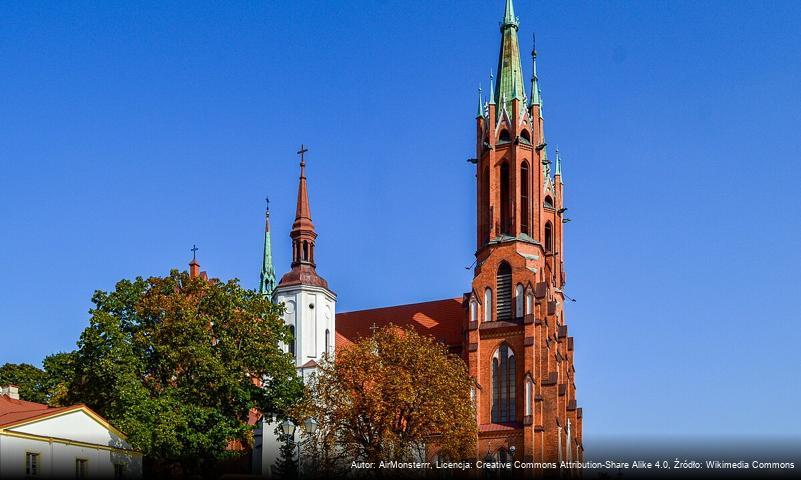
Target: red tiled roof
{"x": 14, "y": 411}
{"x": 441, "y": 319}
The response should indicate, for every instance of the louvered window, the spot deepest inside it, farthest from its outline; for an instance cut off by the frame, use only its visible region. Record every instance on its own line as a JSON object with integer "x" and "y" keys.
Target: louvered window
{"x": 504, "y": 292}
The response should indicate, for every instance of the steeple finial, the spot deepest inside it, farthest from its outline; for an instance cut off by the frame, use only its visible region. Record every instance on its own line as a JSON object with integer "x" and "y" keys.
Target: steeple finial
{"x": 492, "y": 89}
{"x": 194, "y": 267}
{"x": 535, "y": 86}
{"x": 510, "y": 76}
{"x": 480, "y": 111}
{"x": 267, "y": 277}
{"x": 558, "y": 163}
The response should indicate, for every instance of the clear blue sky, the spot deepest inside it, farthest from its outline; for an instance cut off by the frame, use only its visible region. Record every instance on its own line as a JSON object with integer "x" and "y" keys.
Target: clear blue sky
{"x": 132, "y": 131}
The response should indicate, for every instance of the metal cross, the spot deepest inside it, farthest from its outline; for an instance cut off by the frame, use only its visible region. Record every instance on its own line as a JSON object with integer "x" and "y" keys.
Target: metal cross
{"x": 374, "y": 328}
{"x": 302, "y": 151}
{"x": 194, "y": 252}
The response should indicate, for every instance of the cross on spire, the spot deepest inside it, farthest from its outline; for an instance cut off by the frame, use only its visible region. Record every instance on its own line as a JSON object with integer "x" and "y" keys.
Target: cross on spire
{"x": 301, "y": 152}
{"x": 194, "y": 252}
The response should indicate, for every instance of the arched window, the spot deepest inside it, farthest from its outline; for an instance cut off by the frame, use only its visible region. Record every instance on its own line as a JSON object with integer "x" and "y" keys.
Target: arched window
{"x": 488, "y": 305}
{"x": 505, "y": 136}
{"x": 327, "y": 342}
{"x": 548, "y": 202}
{"x": 485, "y": 205}
{"x": 506, "y": 201}
{"x": 473, "y": 310}
{"x": 548, "y": 237}
{"x": 292, "y": 340}
{"x": 529, "y": 396}
{"x": 529, "y": 303}
{"x": 503, "y": 287}
{"x": 526, "y": 136}
{"x": 524, "y": 198}
{"x": 569, "y": 443}
{"x": 503, "y": 385}
{"x": 305, "y": 251}
{"x": 519, "y": 301}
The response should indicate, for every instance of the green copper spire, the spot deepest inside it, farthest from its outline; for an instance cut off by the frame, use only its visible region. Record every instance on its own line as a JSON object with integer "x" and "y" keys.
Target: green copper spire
{"x": 535, "y": 86}
{"x": 267, "y": 272}
{"x": 510, "y": 71}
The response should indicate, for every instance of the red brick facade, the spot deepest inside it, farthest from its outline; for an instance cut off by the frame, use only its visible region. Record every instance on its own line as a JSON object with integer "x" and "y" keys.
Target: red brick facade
{"x": 510, "y": 328}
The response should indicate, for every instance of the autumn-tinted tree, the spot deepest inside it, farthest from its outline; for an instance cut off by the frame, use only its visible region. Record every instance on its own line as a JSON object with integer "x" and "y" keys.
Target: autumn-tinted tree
{"x": 172, "y": 361}
{"x": 387, "y": 397}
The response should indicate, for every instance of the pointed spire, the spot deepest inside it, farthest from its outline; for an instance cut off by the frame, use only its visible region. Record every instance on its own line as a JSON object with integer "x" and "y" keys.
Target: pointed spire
{"x": 303, "y": 238}
{"x": 480, "y": 112}
{"x": 535, "y": 87}
{"x": 492, "y": 89}
{"x": 509, "y": 14}
{"x": 558, "y": 163}
{"x": 302, "y": 210}
{"x": 510, "y": 72}
{"x": 267, "y": 277}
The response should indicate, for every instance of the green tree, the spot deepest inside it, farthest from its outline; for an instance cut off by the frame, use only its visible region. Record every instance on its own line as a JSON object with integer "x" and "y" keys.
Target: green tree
{"x": 179, "y": 364}
{"x": 46, "y": 385}
{"x": 286, "y": 467}
{"x": 28, "y": 378}
{"x": 390, "y": 396}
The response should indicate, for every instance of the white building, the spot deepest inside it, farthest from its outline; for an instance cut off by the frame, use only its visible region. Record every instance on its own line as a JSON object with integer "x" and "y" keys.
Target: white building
{"x": 310, "y": 313}
{"x": 41, "y": 441}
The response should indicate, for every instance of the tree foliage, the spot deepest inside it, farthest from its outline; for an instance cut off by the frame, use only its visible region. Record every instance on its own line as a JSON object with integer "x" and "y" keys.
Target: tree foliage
{"x": 286, "y": 467}
{"x": 172, "y": 362}
{"x": 388, "y": 397}
{"x": 47, "y": 385}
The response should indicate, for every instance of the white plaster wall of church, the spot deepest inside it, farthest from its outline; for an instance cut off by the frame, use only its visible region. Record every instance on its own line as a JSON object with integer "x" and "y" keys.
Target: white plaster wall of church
{"x": 312, "y": 311}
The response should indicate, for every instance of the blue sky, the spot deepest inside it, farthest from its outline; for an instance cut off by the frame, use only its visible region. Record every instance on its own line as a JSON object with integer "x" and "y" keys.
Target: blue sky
{"x": 132, "y": 131}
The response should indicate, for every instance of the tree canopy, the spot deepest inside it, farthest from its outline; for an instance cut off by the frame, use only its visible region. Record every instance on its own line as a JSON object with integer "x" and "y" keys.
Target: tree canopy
{"x": 390, "y": 397}
{"x": 47, "y": 385}
{"x": 178, "y": 364}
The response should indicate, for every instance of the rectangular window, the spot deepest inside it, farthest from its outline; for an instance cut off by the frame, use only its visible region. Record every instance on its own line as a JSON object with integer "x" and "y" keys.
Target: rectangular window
{"x": 31, "y": 464}
{"x": 119, "y": 471}
{"x": 81, "y": 465}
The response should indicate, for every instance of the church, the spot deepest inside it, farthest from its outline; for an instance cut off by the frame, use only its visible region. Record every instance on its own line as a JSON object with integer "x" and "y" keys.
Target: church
{"x": 509, "y": 324}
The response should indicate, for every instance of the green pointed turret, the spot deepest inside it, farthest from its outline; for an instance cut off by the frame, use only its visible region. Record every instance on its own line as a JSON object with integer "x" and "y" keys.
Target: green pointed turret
{"x": 267, "y": 278}
{"x": 480, "y": 111}
{"x": 510, "y": 71}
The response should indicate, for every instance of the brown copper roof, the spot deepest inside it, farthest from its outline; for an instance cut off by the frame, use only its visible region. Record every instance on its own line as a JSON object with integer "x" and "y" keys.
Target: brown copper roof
{"x": 303, "y": 274}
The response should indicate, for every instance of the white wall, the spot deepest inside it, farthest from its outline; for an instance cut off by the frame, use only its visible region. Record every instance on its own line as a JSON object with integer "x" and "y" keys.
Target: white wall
{"x": 312, "y": 311}
{"x": 57, "y": 459}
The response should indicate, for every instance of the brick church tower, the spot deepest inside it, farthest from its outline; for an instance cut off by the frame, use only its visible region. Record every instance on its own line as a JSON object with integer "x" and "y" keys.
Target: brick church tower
{"x": 518, "y": 349}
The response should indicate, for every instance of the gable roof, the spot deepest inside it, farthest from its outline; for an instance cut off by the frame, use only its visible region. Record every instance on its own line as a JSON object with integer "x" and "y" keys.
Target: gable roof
{"x": 441, "y": 319}
{"x": 14, "y": 413}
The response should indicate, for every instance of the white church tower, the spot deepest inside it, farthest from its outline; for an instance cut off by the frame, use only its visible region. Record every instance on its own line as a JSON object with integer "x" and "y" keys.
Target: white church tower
{"x": 310, "y": 312}
{"x": 310, "y": 305}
